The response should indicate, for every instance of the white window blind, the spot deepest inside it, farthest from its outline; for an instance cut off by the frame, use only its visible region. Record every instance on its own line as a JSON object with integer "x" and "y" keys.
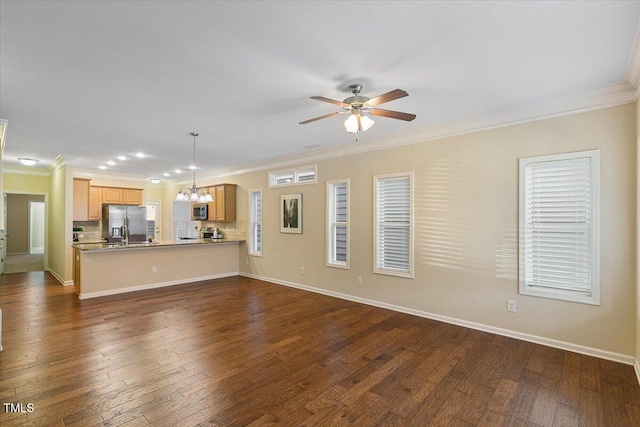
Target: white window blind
{"x": 338, "y": 223}
{"x": 294, "y": 176}
{"x": 393, "y": 234}
{"x": 255, "y": 221}
{"x": 559, "y": 226}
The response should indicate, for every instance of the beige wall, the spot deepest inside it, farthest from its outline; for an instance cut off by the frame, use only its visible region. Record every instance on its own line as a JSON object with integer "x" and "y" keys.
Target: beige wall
{"x": 466, "y": 222}
{"x": 60, "y": 222}
{"x": 637, "y": 354}
{"x": 23, "y": 180}
{"x": 18, "y": 221}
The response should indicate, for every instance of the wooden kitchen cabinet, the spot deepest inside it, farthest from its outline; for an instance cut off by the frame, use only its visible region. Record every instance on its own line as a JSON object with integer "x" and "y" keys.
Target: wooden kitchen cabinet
{"x": 81, "y": 199}
{"x": 223, "y": 207}
{"x": 131, "y": 196}
{"x": 121, "y": 196}
{"x": 111, "y": 195}
{"x": 95, "y": 203}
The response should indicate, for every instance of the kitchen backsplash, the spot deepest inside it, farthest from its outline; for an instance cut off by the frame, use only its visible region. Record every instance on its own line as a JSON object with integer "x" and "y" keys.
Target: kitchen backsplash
{"x": 92, "y": 230}
{"x": 230, "y": 230}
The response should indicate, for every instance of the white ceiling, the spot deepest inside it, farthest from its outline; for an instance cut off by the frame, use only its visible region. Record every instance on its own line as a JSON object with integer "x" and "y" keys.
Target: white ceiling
{"x": 93, "y": 80}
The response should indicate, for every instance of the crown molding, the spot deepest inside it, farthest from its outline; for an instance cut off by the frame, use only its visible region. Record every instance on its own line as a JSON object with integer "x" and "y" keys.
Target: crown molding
{"x": 84, "y": 173}
{"x": 603, "y": 97}
{"x": 599, "y": 98}
{"x": 632, "y": 76}
{"x": 24, "y": 170}
{"x": 57, "y": 163}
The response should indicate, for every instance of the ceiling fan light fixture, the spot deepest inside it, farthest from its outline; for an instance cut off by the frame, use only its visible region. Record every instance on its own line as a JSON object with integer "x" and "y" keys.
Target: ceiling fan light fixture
{"x": 358, "y": 123}
{"x": 366, "y": 122}
{"x": 351, "y": 124}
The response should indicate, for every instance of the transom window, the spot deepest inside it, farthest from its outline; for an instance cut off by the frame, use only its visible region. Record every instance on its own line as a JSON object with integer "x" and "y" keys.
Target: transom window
{"x": 296, "y": 176}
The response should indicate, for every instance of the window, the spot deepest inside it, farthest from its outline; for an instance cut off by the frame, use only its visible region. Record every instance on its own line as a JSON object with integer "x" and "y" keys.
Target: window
{"x": 296, "y": 176}
{"x": 559, "y": 227}
{"x": 338, "y": 223}
{"x": 255, "y": 222}
{"x": 393, "y": 224}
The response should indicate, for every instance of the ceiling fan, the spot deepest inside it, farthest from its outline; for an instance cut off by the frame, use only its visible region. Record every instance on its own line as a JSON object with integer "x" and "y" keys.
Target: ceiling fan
{"x": 357, "y": 106}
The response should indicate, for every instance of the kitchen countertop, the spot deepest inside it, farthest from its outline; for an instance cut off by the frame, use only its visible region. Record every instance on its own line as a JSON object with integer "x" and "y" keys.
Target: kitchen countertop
{"x": 92, "y": 247}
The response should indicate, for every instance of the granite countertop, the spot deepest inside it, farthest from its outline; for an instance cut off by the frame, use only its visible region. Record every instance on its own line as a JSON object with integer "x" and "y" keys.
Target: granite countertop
{"x": 145, "y": 245}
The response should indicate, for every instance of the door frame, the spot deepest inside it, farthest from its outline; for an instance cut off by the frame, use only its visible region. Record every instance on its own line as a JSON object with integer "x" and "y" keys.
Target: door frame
{"x": 46, "y": 222}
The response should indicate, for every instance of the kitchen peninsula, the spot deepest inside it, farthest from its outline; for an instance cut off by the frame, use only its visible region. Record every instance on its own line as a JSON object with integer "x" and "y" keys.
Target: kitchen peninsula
{"x": 105, "y": 269}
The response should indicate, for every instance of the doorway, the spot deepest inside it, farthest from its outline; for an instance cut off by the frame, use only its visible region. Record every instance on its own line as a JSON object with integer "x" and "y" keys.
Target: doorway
{"x": 36, "y": 227}
{"x": 25, "y": 238}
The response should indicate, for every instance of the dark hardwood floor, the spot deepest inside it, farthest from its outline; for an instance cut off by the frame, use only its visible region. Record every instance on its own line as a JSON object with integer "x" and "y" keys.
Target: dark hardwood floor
{"x": 237, "y": 351}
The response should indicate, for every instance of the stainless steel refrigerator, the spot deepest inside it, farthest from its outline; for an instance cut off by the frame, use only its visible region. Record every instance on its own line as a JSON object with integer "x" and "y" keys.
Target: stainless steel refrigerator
{"x": 124, "y": 223}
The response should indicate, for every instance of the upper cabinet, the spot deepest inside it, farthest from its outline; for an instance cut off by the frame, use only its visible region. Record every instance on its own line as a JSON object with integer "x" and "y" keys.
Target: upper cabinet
{"x": 131, "y": 196}
{"x": 121, "y": 196}
{"x": 95, "y": 203}
{"x": 88, "y": 200}
{"x": 223, "y": 206}
{"x": 81, "y": 199}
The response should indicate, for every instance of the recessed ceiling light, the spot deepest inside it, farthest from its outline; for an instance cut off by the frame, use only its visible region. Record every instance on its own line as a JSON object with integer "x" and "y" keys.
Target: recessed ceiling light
{"x": 102, "y": 167}
{"x": 27, "y": 162}
{"x": 111, "y": 163}
{"x": 155, "y": 180}
{"x": 166, "y": 174}
{"x": 140, "y": 155}
{"x": 177, "y": 171}
{"x": 192, "y": 167}
{"x": 123, "y": 158}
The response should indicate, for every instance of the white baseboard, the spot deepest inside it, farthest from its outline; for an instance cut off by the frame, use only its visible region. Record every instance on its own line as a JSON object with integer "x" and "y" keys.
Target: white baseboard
{"x": 549, "y": 342}
{"x": 60, "y": 279}
{"x": 155, "y": 285}
{"x": 636, "y": 365}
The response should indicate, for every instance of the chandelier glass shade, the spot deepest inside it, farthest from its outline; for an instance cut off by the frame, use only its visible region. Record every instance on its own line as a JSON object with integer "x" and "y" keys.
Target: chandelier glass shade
{"x": 194, "y": 194}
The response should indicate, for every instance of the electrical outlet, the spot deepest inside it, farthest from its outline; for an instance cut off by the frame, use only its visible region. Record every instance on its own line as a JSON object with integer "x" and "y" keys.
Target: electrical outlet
{"x": 246, "y": 261}
{"x": 511, "y": 306}
{"x": 301, "y": 270}
{"x": 359, "y": 280}
{"x": 154, "y": 269}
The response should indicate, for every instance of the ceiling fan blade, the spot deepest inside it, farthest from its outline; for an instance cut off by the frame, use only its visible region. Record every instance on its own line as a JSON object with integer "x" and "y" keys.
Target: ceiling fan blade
{"x": 330, "y": 101}
{"x": 386, "y": 97}
{"x": 326, "y": 116}
{"x": 392, "y": 114}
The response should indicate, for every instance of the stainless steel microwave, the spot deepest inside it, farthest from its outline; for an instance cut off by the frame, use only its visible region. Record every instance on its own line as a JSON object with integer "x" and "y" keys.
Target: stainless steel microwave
{"x": 200, "y": 212}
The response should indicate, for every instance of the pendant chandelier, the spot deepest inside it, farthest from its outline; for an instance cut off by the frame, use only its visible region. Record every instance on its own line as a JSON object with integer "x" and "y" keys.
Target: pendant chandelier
{"x": 191, "y": 194}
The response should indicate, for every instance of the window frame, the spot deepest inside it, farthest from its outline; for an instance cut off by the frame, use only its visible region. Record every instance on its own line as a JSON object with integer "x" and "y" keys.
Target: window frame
{"x": 332, "y": 224}
{"x": 253, "y": 221}
{"x": 409, "y": 273}
{"x": 593, "y": 295}
{"x": 296, "y": 174}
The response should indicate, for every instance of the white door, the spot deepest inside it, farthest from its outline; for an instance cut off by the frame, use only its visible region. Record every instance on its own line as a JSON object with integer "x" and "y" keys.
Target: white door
{"x": 154, "y": 219}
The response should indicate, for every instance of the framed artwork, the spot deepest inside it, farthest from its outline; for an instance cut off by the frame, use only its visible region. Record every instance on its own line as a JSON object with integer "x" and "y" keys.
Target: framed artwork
{"x": 291, "y": 213}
